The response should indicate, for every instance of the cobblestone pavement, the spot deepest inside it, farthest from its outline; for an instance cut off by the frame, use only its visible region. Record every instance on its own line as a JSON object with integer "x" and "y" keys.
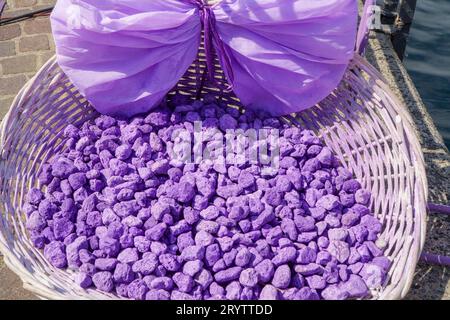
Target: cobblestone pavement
{"x": 26, "y": 46}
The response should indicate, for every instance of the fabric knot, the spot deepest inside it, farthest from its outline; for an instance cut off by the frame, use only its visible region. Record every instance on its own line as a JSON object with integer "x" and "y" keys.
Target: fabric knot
{"x": 213, "y": 41}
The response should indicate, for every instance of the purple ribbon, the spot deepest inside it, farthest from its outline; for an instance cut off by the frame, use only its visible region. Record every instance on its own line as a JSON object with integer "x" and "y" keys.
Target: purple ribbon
{"x": 364, "y": 27}
{"x": 212, "y": 40}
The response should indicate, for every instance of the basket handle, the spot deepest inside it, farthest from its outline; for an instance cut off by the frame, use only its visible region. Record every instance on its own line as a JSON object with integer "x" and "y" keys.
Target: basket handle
{"x": 436, "y": 258}
{"x": 364, "y": 26}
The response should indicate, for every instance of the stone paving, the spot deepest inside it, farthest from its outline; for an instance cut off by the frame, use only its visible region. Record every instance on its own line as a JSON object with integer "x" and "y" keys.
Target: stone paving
{"x": 27, "y": 45}
{"x": 24, "y": 48}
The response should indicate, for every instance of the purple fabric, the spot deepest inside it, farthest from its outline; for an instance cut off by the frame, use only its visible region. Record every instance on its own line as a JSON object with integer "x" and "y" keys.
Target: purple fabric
{"x": 279, "y": 56}
{"x": 2, "y": 6}
{"x": 364, "y": 26}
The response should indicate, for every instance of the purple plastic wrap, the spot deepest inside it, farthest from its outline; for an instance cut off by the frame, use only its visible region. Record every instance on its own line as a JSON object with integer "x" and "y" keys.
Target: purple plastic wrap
{"x": 2, "y": 6}
{"x": 280, "y": 56}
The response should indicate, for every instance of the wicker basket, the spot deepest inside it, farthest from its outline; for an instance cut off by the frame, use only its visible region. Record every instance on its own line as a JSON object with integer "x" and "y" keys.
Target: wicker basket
{"x": 361, "y": 121}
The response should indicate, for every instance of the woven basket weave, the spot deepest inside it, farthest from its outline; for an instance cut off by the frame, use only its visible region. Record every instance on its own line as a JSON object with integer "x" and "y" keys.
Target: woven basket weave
{"x": 362, "y": 121}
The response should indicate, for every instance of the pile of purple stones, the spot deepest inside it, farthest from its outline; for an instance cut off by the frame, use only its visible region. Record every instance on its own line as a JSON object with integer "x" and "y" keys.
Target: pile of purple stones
{"x": 129, "y": 221}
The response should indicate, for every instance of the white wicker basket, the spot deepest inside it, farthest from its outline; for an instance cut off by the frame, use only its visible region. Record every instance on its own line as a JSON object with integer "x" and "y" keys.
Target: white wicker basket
{"x": 362, "y": 121}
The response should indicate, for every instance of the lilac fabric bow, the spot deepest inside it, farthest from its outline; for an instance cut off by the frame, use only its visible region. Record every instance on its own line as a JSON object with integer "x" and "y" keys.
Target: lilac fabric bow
{"x": 281, "y": 56}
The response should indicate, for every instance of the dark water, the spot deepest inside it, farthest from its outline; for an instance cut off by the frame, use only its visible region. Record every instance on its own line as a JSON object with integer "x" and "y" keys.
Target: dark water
{"x": 428, "y": 60}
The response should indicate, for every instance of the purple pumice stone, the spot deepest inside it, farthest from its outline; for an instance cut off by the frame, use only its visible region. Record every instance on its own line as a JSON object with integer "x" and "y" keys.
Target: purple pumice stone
{"x": 227, "y": 122}
{"x": 183, "y": 281}
{"x": 137, "y": 290}
{"x": 306, "y": 255}
{"x": 355, "y": 287}
{"x": 228, "y": 275}
{"x": 106, "y": 264}
{"x": 282, "y": 277}
{"x": 233, "y": 290}
{"x": 109, "y": 245}
{"x": 146, "y": 266}
{"x": 193, "y": 252}
{"x": 77, "y": 180}
{"x": 34, "y": 196}
{"x": 131, "y": 220}
{"x": 265, "y": 270}
{"x": 54, "y": 253}
{"x": 123, "y": 273}
{"x": 243, "y": 257}
{"x": 316, "y": 282}
{"x": 161, "y": 283}
{"x": 203, "y": 238}
{"x": 212, "y": 254}
{"x": 123, "y": 152}
{"x": 191, "y": 268}
{"x": 103, "y": 281}
{"x": 178, "y": 295}
{"x": 157, "y": 295}
{"x": 83, "y": 280}
{"x": 204, "y": 279}
{"x": 334, "y": 292}
{"x": 249, "y": 277}
{"x": 169, "y": 262}
{"x": 129, "y": 255}
{"x": 269, "y": 292}
{"x": 285, "y": 255}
